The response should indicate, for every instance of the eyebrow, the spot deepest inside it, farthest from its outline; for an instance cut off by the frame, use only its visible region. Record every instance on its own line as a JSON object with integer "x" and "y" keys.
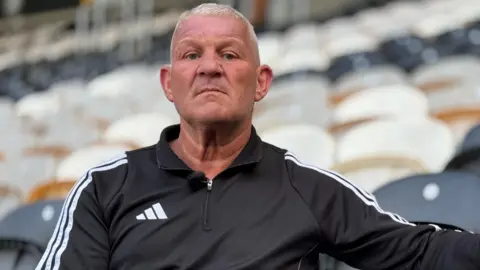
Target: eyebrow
{"x": 188, "y": 41}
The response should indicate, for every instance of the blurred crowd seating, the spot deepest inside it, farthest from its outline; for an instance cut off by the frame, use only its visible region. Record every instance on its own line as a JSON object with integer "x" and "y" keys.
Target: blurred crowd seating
{"x": 388, "y": 97}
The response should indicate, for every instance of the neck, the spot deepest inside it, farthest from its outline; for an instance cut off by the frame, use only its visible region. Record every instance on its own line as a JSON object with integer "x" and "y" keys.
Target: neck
{"x": 211, "y": 149}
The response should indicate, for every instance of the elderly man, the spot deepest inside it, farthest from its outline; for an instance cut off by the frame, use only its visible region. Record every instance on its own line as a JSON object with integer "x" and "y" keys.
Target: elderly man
{"x": 211, "y": 195}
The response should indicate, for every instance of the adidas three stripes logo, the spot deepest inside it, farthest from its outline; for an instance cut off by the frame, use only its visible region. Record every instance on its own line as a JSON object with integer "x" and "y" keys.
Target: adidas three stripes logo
{"x": 152, "y": 213}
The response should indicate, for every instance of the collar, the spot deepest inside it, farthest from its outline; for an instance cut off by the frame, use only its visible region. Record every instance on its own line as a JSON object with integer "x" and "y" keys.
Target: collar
{"x": 168, "y": 160}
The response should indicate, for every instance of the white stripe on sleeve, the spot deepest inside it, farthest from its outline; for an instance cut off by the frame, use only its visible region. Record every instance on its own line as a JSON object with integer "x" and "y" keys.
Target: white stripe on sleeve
{"x": 68, "y": 210}
{"x": 363, "y": 195}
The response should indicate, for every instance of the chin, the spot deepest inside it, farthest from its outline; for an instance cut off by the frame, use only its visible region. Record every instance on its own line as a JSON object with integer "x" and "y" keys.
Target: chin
{"x": 212, "y": 116}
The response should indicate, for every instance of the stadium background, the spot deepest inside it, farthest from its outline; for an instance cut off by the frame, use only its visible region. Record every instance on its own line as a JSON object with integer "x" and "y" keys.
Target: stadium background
{"x": 384, "y": 92}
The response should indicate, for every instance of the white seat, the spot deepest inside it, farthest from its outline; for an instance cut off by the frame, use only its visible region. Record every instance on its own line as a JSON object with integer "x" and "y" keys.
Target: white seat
{"x": 311, "y": 144}
{"x": 463, "y": 94}
{"x": 147, "y": 129}
{"x": 368, "y": 78}
{"x": 14, "y": 142}
{"x": 399, "y": 101}
{"x": 8, "y": 118}
{"x": 70, "y": 94}
{"x": 10, "y": 198}
{"x": 447, "y": 71}
{"x": 350, "y": 43}
{"x": 435, "y": 24}
{"x": 294, "y": 100}
{"x": 373, "y": 172}
{"x": 67, "y": 130}
{"x": 134, "y": 86}
{"x": 101, "y": 111}
{"x": 427, "y": 140}
{"x": 302, "y": 37}
{"x": 269, "y": 46}
{"x": 76, "y": 165}
{"x": 122, "y": 81}
{"x": 37, "y": 106}
{"x": 460, "y": 119}
{"x": 295, "y": 60}
{"x": 337, "y": 27}
{"x": 28, "y": 171}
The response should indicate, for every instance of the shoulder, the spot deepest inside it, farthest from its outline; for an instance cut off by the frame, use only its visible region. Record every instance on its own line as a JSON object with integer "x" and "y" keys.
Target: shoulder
{"x": 308, "y": 178}
{"x": 107, "y": 178}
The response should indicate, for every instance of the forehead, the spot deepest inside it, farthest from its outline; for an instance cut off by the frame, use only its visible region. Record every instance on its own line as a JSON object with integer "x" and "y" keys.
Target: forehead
{"x": 204, "y": 27}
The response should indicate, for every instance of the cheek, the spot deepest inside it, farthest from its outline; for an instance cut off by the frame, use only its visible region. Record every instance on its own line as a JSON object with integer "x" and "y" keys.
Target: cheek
{"x": 180, "y": 81}
{"x": 245, "y": 80}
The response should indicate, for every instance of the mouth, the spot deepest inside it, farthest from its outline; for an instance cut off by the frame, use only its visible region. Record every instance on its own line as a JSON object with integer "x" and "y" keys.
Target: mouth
{"x": 210, "y": 89}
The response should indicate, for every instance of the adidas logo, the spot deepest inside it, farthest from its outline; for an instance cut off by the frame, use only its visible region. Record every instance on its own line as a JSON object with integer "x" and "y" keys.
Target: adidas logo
{"x": 152, "y": 213}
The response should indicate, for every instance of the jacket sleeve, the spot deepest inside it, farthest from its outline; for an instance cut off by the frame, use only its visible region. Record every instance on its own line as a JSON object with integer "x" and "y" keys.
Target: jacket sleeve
{"x": 355, "y": 230}
{"x": 81, "y": 239}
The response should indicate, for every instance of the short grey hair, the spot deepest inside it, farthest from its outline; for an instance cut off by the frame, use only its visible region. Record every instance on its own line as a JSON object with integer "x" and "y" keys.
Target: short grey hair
{"x": 213, "y": 9}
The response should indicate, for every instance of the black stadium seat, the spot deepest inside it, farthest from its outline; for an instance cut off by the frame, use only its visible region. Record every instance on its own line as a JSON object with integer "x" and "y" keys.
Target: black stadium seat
{"x": 409, "y": 51}
{"x": 25, "y": 232}
{"x": 354, "y": 62}
{"x": 444, "y": 198}
{"x": 456, "y": 41}
{"x": 468, "y": 154}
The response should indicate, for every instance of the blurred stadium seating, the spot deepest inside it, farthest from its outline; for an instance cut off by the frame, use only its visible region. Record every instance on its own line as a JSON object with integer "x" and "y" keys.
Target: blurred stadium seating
{"x": 388, "y": 96}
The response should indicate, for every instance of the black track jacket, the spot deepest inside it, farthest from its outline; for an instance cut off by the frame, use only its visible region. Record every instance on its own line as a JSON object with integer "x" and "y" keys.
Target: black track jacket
{"x": 268, "y": 210}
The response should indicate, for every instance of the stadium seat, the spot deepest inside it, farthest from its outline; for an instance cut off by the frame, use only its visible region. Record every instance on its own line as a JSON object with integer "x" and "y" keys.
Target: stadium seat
{"x": 302, "y": 36}
{"x": 21, "y": 243}
{"x": 457, "y": 40}
{"x": 348, "y": 44}
{"x": 50, "y": 190}
{"x": 37, "y": 106}
{"x": 409, "y": 51}
{"x": 351, "y": 82}
{"x": 427, "y": 197}
{"x": 147, "y": 128}
{"x": 370, "y": 173}
{"x": 378, "y": 102}
{"x": 309, "y": 143}
{"x": 299, "y": 97}
{"x": 10, "y": 198}
{"x": 355, "y": 62}
{"x": 424, "y": 139}
{"x": 468, "y": 154}
{"x": 300, "y": 60}
{"x": 446, "y": 72}
{"x": 27, "y": 171}
{"x": 76, "y": 164}
{"x": 460, "y": 120}
{"x": 100, "y": 112}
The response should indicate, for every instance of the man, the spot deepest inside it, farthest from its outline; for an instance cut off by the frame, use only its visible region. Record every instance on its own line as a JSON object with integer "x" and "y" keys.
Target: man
{"x": 212, "y": 195}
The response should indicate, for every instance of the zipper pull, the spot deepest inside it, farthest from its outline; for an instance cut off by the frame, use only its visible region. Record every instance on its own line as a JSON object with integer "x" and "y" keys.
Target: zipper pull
{"x": 209, "y": 184}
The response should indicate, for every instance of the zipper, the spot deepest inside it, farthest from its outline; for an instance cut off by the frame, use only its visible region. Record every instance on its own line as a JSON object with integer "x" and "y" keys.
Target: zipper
{"x": 206, "y": 206}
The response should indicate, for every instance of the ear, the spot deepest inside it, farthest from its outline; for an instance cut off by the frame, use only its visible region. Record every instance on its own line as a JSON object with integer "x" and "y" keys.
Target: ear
{"x": 165, "y": 81}
{"x": 264, "y": 80}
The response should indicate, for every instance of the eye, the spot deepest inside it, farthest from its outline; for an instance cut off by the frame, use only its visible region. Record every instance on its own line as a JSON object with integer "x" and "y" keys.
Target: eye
{"x": 192, "y": 56}
{"x": 228, "y": 56}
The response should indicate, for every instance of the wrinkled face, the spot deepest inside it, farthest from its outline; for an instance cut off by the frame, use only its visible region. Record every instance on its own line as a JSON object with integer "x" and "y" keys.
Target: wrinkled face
{"x": 214, "y": 74}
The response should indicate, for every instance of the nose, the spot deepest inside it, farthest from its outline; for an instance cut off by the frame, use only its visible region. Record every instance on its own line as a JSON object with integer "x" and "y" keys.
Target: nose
{"x": 209, "y": 66}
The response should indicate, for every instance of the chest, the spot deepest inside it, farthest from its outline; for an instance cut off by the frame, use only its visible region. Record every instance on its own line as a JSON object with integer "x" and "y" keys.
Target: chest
{"x": 231, "y": 226}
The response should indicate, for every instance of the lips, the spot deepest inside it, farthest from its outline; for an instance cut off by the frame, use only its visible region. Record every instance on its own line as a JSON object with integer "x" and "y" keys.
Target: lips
{"x": 210, "y": 89}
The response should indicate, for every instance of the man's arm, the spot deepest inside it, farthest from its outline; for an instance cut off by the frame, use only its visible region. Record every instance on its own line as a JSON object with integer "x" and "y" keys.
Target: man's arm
{"x": 80, "y": 239}
{"x": 358, "y": 232}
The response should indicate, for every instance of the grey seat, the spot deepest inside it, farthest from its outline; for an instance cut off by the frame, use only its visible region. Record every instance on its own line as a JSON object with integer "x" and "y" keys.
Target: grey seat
{"x": 427, "y": 197}
{"x": 468, "y": 154}
{"x": 25, "y": 232}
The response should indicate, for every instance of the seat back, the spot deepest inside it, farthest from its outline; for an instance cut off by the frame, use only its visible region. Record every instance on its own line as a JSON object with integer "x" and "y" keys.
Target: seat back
{"x": 25, "y": 232}
{"x": 427, "y": 197}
